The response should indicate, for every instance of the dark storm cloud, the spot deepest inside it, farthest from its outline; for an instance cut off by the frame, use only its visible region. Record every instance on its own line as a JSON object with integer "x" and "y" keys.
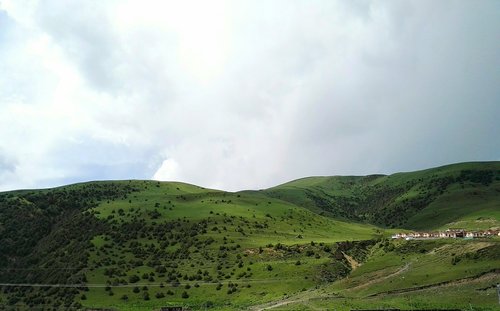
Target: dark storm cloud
{"x": 423, "y": 95}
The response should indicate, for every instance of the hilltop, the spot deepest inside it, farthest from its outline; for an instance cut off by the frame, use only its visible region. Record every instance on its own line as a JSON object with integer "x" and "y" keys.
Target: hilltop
{"x": 464, "y": 195}
{"x": 137, "y": 244}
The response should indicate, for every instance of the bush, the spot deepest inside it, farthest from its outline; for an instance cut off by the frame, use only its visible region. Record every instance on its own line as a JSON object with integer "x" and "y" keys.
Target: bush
{"x": 185, "y": 295}
{"x": 133, "y": 279}
{"x": 159, "y": 295}
{"x": 207, "y": 304}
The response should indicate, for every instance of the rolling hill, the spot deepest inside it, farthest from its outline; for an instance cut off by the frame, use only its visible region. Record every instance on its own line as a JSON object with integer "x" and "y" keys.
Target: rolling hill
{"x": 134, "y": 245}
{"x": 462, "y": 195}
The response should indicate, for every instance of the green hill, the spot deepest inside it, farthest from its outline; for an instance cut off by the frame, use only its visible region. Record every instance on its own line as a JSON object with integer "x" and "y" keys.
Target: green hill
{"x": 107, "y": 241}
{"x": 409, "y": 275}
{"x": 134, "y": 245}
{"x": 460, "y": 195}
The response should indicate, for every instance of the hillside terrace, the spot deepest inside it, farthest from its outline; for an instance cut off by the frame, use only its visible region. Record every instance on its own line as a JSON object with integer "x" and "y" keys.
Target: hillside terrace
{"x": 449, "y": 233}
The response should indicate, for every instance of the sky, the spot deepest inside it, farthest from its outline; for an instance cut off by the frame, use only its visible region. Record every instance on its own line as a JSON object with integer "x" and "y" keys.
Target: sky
{"x": 244, "y": 94}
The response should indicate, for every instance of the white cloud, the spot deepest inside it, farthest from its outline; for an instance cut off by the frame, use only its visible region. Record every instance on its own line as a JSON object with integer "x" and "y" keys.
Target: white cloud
{"x": 168, "y": 171}
{"x": 243, "y": 94}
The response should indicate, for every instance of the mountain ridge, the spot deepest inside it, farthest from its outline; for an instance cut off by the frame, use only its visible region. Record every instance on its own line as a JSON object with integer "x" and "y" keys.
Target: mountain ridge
{"x": 396, "y": 200}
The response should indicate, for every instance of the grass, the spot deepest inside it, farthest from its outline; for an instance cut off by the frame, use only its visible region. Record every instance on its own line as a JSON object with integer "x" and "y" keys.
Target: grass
{"x": 465, "y": 194}
{"x": 414, "y": 274}
{"x": 232, "y": 251}
{"x": 429, "y": 262}
{"x": 249, "y": 221}
{"x": 421, "y": 269}
{"x": 471, "y": 207}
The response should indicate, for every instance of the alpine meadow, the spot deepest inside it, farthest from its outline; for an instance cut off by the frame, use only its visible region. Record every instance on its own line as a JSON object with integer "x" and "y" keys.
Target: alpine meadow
{"x": 313, "y": 243}
{"x": 249, "y": 155}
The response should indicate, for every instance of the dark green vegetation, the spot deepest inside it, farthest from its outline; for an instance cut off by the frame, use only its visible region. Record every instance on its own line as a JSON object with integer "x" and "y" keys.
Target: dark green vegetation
{"x": 143, "y": 244}
{"x": 462, "y": 195}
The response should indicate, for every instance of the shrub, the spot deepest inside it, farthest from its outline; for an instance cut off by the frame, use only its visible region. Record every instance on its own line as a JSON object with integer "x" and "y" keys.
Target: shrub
{"x": 159, "y": 295}
{"x": 133, "y": 279}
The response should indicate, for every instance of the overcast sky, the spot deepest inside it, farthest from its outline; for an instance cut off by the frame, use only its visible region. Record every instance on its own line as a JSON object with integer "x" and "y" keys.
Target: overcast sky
{"x": 244, "y": 94}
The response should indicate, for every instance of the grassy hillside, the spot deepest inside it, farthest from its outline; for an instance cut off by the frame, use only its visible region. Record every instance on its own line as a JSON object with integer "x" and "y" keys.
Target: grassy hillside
{"x": 465, "y": 195}
{"x": 134, "y": 245}
{"x": 445, "y": 274}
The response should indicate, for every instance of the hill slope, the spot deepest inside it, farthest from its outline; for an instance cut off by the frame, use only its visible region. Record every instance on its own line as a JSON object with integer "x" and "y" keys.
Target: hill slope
{"x": 130, "y": 245}
{"x": 425, "y": 274}
{"x": 142, "y": 243}
{"x": 463, "y": 195}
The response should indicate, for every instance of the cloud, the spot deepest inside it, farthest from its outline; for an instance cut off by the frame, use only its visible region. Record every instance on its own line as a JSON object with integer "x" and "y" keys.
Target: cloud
{"x": 244, "y": 94}
{"x": 7, "y": 165}
{"x": 169, "y": 170}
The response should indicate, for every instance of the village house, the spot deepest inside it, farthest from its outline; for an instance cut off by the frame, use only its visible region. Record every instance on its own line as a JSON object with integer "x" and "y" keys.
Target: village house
{"x": 449, "y": 233}
{"x": 455, "y": 233}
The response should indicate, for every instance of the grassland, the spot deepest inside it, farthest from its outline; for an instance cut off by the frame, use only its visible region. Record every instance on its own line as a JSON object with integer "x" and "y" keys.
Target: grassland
{"x": 464, "y": 195}
{"x": 412, "y": 275}
{"x": 317, "y": 243}
{"x": 243, "y": 235}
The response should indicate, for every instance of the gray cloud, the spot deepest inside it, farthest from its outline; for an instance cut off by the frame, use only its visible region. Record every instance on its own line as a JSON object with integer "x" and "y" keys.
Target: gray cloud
{"x": 7, "y": 165}
{"x": 246, "y": 94}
